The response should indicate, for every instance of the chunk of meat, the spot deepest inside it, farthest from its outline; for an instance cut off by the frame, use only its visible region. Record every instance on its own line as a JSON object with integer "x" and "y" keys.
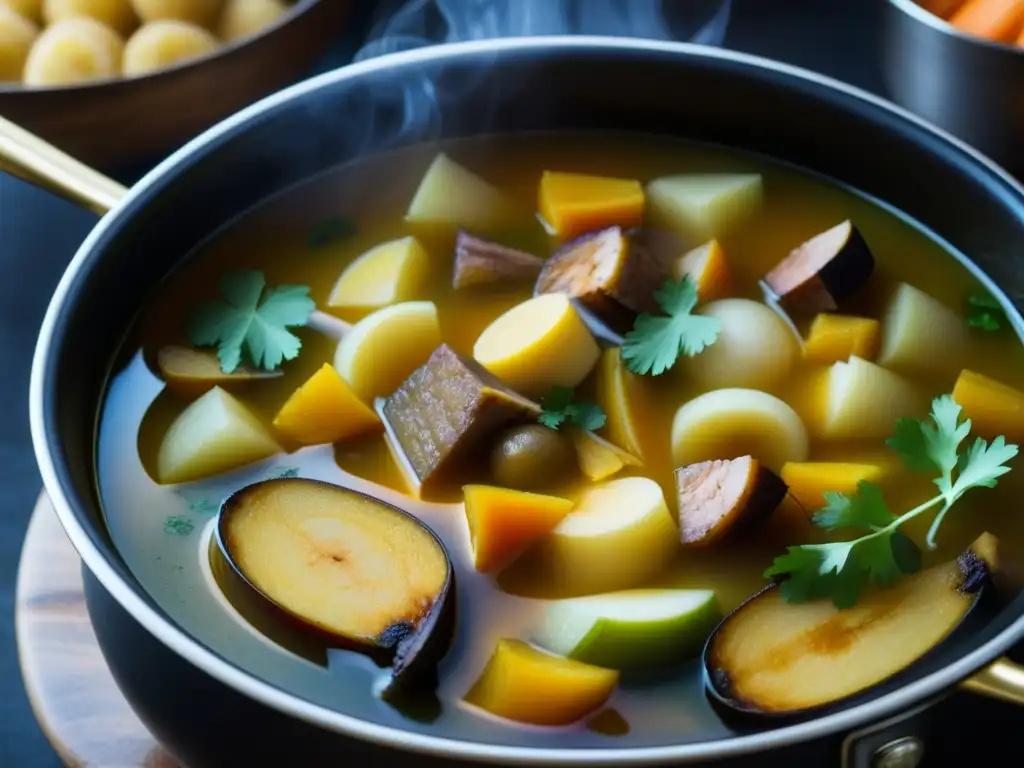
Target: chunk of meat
{"x": 481, "y": 262}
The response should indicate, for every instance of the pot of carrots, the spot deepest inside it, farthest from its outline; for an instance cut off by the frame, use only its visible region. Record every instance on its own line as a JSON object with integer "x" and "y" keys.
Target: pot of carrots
{"x": 960, "y": 64}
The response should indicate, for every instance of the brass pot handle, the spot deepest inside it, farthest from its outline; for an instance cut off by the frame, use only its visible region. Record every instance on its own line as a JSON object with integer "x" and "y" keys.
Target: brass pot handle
{"x": 25, "y": 155}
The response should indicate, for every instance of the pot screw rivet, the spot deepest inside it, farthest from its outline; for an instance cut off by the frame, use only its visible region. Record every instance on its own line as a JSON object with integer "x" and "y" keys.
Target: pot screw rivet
{"x": 902, "y": 753}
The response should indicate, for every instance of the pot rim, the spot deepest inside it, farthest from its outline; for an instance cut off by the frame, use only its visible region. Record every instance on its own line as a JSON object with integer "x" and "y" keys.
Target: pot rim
{"x": 927, "y": 18}
{"x": 178, "y": 640}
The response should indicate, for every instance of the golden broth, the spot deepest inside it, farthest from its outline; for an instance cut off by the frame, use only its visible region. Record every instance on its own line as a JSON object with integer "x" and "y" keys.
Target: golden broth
{"x": 162, "y": 531}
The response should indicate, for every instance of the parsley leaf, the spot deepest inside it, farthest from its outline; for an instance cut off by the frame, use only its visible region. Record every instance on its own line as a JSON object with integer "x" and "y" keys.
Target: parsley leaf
{"x": 558, "y": 408}
{"x": 840, "y": 570}
{"x": 984, "y": 312}
{"x": 251, "y": 319}
{"x": 655, "y": 343}
{"x": 178, "y": 525}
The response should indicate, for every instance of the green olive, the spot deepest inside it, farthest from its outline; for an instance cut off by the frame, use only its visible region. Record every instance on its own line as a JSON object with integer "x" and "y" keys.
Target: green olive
{"x": 531, "y": 457}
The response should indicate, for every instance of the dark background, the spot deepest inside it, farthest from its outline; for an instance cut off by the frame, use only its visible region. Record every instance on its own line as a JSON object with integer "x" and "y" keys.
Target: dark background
{"x": 39, "y": 233}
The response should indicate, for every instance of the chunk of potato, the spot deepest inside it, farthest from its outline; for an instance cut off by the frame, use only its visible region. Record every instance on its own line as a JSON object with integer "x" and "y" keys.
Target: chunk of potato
{"x": 29, "y": 9}
{"x": 385, "y": 347}
{"x": 161, "y": 44}
{"x": 614, "y": 397}
{"x": 214, "y": 434}
{"x": 864, "y": 400}
{"x": 920, "y": 334}
{"x": 575, "y": 203}
{"x": 201, "y": 12}
{"x": 452, "y": 195}
{"x": 389, "y": 273}
{"x": 73, "y": 51}
{"x": 116, "y": 14}
{"x": 703, "y": 206}
{"x": 527, "y": 685}
{"x": 244, "y": 18}
{"x": 17, "y": 34}
{"x": 538, "y": 344}
{"x": 325, "y": 410}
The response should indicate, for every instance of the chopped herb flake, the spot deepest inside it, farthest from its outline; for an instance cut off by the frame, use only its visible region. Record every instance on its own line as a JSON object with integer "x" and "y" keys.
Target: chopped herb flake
{"x": 330, "y": 230}
{"x": 178, "y": 525}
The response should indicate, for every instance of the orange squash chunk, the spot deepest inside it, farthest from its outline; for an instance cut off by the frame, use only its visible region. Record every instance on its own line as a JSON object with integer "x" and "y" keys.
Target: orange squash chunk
{"x": 324, "y": 410}
{"x": 835, "y": 337}
{"x": 706, "y": 266}
{"x": 527, "y": 685}
{"x": 808, "y": 480}
{"x": 503, "y": 522}
{"x": 993, "y": 407}
{"x": 574, "y": 203}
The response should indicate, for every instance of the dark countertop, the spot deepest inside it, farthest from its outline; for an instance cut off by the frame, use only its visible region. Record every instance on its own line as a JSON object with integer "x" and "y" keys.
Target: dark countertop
{"x": 39, "y": 233}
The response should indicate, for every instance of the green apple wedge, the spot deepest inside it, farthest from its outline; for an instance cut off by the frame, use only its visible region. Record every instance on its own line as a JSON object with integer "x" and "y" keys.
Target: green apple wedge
{"x": 631, "y": 629}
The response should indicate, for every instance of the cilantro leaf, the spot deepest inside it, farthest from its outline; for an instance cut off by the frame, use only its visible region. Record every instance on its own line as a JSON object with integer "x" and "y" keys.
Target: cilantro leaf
{"x": 253, "y": 320}
{"x": 864, "y": 509}
{"x": 656, "y": 342}
{"x": 558, "y": 408}
{"x": 984, "y": 312}
{"x": 178, "y": 525}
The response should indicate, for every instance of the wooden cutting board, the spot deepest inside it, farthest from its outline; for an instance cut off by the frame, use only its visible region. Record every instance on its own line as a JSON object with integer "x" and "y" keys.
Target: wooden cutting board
{"x": 72, "y": 692}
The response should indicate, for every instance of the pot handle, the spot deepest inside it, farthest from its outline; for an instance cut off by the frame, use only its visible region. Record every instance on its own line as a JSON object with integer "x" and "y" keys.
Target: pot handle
{"x": 1002, "y": 679}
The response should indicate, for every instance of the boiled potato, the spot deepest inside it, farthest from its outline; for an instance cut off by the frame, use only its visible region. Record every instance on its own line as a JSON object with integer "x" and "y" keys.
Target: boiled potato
{"x": 242, "y": 18}
{"x": 72, "y": 51}
{"x": 214, "y": 434}
{"x": 864, "y": 400}
{"x": 537, "y": 345}
{"x": 452, "y": 195}
{"x": 616, "y": 399}
{"x": 201, "y": 12}
{"x": 17, "y": 34}
{"x": 755, "y": 348}
{"x": 30, "y": 9}
{"x": 382, "y": 349}
{"x": 705, "y": 205}
{"x": 921, "y": 334}
{"x": 116, "y": 14}
{"x": 530, "y": 457}
{"x": 394, "y": 271}
{"x": 727, "y": 423}
{"x": 160, "y": 44}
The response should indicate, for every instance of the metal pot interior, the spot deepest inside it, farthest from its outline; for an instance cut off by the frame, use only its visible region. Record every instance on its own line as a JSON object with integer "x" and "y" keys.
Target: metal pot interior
{"x": 472, "y": 90}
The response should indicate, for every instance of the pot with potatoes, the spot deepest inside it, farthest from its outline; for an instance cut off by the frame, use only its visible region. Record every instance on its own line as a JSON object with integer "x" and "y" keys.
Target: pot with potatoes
{"x": 546, "y": 401}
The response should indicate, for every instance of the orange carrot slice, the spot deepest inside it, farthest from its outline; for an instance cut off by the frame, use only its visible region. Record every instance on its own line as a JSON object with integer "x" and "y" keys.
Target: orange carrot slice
{"x": 998, "y": 20}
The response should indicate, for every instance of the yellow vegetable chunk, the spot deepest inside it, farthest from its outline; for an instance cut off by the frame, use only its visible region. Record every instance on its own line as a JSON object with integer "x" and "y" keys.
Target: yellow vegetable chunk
{"x": 537, "y": 345}
{"x": 214, "y": 434}
{"x": 809, "y": 480}
{"x": 244, "y": 18}
{"x": 864, "y": 400}
{"x": 455, "y": 196}
{"x": 116, "y": 14}
{"x": 389, "y": 273}
{"x": 993, "y": 408}
{"x": 527, "y": 685}
{"x": 325, "y": 410}
{"x": 920, "y": 334}
{"x": 703, "y": 206}
{"x": 619, "y": 535}
{"x": 382, "y": 349}
{"x": 161, "y": 44}
{"x": 726, "y": 423}
{"x": 599, "y": 459}
{"x": 191, "y": 372}
{"x": 503, "y": 523}
{"x": 74, "y": 51}
{"x": 707, "y": 267}
{"x": 574, "y": 203}
{"x": 613, "y": 396}
{"x": 17, "y": 34}
{"x": 201, "y": 12}
{"x": 29, "y": 9}
{"x": 834, "y": 338}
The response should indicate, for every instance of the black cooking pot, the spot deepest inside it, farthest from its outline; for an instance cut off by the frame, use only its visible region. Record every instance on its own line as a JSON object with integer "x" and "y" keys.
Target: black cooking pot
{"x": 208, "y": 711}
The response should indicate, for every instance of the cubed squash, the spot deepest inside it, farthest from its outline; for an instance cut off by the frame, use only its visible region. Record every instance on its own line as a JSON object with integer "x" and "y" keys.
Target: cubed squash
{"x": 538, "y": 344}
{"x": 503, "y": 522}
{"x": 703, "y": 206}
{"x": 707, "y": 267}
{"x": 389, "y": 273}
{"x": 809, "y": 480}
{"x": 324, "y": 410}
{"x": 527, "y": 685}
{"x": 993, "y": 407}
{"x": 920, "y": 334}
{"x": 453, "y": 196}
{"x": 574, "y": 203}
{"x": 835, "y": 337}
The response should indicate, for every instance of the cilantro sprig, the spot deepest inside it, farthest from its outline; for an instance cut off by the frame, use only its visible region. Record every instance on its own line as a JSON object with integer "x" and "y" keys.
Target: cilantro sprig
{"x": 253, "y": 320}
{"x": 840, "y": 570}
{"x": 558, "y": 407}
{"x": 984, "y": 312}
{"x": 656, "y": 342}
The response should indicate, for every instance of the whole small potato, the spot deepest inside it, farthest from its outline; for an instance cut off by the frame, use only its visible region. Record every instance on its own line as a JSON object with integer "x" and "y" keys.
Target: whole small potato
{"x": 243, "y": 18}
{"x": 75, "y": 50}
{"x": 160, "y": 44}
{"x": 531, "y": 457}
{"x": 201, "y": 12}
{"x": 30, "y": 9}
{"x": 17, "y": 34}
{"x": 116, "y": 14}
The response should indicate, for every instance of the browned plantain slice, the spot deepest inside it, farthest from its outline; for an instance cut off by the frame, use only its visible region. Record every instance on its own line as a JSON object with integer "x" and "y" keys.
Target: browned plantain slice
{"x": 824, "y": 272}
{"x": 722, "y": 498}
{"x": 480, "y": 262}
